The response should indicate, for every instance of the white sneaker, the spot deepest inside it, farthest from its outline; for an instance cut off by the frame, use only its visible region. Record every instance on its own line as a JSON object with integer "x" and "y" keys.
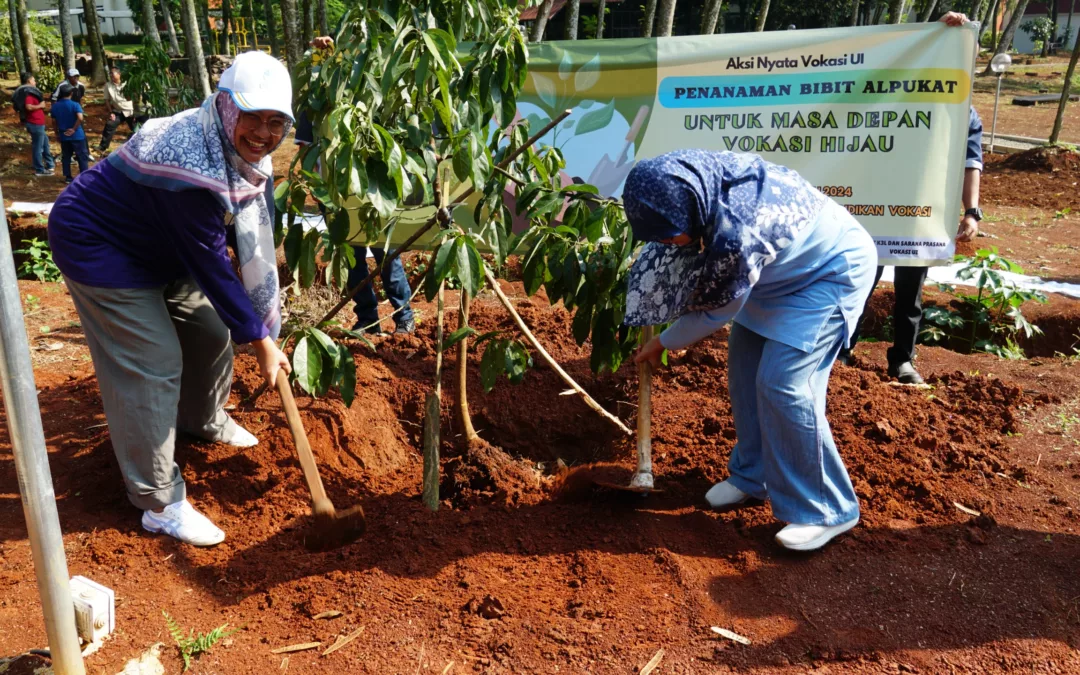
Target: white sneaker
{"x": 811, "y": 537}
{"x": 242, "y": 438}
{"x": 723, "y": 495}
{"x": 181, "y": 521}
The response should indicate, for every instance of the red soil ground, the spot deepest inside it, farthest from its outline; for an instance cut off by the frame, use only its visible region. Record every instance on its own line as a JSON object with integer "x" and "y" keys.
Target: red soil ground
{"x": 509, "y": 577}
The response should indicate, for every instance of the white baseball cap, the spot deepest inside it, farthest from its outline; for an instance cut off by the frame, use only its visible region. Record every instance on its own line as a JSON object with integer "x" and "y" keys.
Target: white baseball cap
{"x": 258, "y": 81}
{"x": 73, "y": 72}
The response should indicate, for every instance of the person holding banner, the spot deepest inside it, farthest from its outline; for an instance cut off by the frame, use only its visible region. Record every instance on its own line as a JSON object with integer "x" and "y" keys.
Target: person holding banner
{"x": 734, "y": 238}
{"x": 908, "y": 281}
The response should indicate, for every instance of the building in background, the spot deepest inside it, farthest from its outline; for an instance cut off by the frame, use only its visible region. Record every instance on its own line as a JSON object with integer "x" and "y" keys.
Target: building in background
{"x": 1037, "y": 10}
{"x": 113, "y": 15}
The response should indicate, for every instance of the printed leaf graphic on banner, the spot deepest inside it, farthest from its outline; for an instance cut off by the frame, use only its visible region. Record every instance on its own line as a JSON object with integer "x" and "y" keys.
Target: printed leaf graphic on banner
{"x": 588, "y": 75}
{"x": 566, "y": 66}
{"x": 536, "y": 122}
{"x": 596, "y": 119}
{"x": 545, "y": 89}
{"x": 586, "y": 104}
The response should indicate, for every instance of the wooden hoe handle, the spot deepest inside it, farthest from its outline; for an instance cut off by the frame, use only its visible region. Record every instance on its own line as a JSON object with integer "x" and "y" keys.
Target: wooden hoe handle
{"x": 303, "y": 448}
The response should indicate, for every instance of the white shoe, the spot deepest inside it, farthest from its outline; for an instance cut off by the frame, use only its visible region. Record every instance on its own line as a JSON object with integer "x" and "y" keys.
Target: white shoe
{"x": 811, "y": 537}
{"x": 181, "y": 521}
{"x": 723, "y": 495}
{"x": 242, "y": 438}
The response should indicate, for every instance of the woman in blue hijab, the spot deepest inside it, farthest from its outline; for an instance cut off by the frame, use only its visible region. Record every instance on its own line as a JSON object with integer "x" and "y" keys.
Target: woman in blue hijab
{"x": 735, "y": 238}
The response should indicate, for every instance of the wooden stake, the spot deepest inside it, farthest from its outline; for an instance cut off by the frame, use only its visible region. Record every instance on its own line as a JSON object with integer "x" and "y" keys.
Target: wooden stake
{"x": 653, "y": 663}
{"x": 643, "y": 478}
{"x": 463, "y": 363}
{"x": 547, "y": 357}
{"x": 432, "y": 414}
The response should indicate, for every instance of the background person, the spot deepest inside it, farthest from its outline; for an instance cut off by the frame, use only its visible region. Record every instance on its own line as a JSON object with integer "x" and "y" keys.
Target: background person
{"x": 140, "y": 239}
{"x": 908, "y": 280}
{"x": 78, "y": 89}
{"x": 736, "y": 238}
{"x": 68, "y": 120}
{"x": 30, "y": 104}
{"x": 121, "y": 110}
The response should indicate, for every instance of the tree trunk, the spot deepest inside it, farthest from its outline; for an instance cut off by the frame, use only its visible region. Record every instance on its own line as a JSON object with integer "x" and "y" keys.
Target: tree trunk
{"x": 226, "y": 28}
{"x": 601, "y": 7}
{"x": 854, "y": 13}
{"x": 16, "y": 39}
{"x": 93, "y": 36}
{"x": 189, "y": 21}
{"x": 321, "y": 22}
{"x": 271, "y": 27}
{"x": 29, "y": 48}
{"x": 976, "y": 10}
{"x": 650, "y": 18}
{"x": 711, "y": 16}
{"x": 991, "y": 23}
{"x": 1009, "y": 32}
{"x": 249, "y": 14}
{"x": 211, "y": 43}
{"x": 930, "y": 7}
{"x": 1065, "y": 92}
{"x": 879, "y": 12}
{"x": 543, "y": 10}
{"x": 293, "y": 51}
{"x": 762, "y": 16}
{"x": 64, "y": 17}
{"x": 149, "y": 22}
{"x": 896, "y": 11}
{"x": 307, "y": 25}
{"x": 463, "y": 363}
{"x": 573, "y": 16}
{"x": 170, "y": 28}
{"x": 665, "y": 19}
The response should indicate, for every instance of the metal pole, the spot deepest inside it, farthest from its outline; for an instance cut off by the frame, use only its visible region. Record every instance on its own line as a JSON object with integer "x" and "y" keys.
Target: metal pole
{"x": 993, "y": 126}
{"x": 32, "y": 469}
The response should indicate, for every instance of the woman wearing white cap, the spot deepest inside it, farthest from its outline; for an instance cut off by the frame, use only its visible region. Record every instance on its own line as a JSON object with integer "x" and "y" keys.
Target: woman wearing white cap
{"x": 141, "y": 241}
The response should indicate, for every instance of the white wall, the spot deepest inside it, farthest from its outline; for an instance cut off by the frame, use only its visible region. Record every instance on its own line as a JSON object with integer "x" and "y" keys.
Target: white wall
{"x": 1023, "y": 43}
{"x": 110, "y": 25}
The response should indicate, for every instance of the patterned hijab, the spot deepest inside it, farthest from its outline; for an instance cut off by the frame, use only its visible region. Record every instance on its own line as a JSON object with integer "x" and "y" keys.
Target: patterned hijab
{"x": 193, "y": 150}
{"x": 741, "y": 212}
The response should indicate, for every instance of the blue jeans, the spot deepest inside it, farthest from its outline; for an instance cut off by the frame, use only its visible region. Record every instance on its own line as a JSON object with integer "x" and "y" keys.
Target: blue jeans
{"x": 81, "y": 152}
{"x": 395, "y": 284}
{"x": 41, "y": 155}
{"x": 785, "y": 451}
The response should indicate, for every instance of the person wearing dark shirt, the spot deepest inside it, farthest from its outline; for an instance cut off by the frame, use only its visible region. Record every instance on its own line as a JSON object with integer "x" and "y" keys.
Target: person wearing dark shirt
{"x": 68, "y": 119}
{"x": 908, "y": 281}
{"x": 30, "y": 103}
{"x": 141, "y": 240}
{"x": 78, "y": 89}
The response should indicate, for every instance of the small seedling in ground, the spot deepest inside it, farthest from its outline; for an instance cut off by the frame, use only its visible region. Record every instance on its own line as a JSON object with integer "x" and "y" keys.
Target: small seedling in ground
{"x": 192, "y": 646}
{"x": 1066, "y": 421}
{"x": 1058, "y": 215}
{"x": 33, "y": 302}
{"x": 39, "y": 263}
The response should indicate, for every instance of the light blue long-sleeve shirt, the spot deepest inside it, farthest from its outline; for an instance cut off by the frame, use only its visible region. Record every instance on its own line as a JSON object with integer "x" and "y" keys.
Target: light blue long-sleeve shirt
{"x": 829, "y": 267}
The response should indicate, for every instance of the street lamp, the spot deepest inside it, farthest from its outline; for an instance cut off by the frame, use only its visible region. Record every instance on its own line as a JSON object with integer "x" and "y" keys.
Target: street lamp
{"x": 999, "y": 64}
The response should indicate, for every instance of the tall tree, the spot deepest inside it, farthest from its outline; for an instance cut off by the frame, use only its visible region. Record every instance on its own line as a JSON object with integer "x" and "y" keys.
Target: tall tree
{"x": 650, "y": 18}
{"x": 211, "y": 45}
{"x": 711, "y": 16}
{"x": 543, "y": 11}
{"x": 929, "y": 11}
{"x": 854, "y": 13}
{"x": 321, "y": 22}
{"x": 1065, "y": 91}
{"x": 896, "y": 11}
{"x": 189, "y": 21}
{"x": 976, "y": 9}
{"x": 225, "y": 34}
{"x": 1068, "y": 23}
{"x": 601, "y": 7}
{"x": 170, "y": 28}
{"x": 879, "y": 12}
{"x": 93, "y": 36}
{"x": 149, "y": 22}
{"x": 990, "y": 22}
{"x": 573, "y": 17}
{"x": 64, "y": 17}
{"x": 307, "y": 24}
{"x": 1010, "y": 30}
{"x": 271, "y": 27}
{"x": 16, "y": 40}
{"x": 665, "y": 19}
{"x": 762, "y": 16}
{"x": 249, "y": 14}
{"x": 27, "y": 38}
{"x": 291, "y": 27}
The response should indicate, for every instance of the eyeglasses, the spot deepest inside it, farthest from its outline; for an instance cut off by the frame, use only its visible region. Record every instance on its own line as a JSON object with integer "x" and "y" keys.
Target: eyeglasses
{"x": 253, "y": 122}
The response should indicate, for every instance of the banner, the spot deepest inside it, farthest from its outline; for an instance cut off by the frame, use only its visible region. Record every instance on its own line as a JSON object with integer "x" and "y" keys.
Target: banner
{"x": 876, "y": 117}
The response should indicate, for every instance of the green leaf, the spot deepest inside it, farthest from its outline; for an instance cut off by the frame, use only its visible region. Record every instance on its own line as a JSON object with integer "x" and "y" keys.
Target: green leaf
{"x": 492, "y": 363}
{"x": 308, "y": 250}
{"x": 463, "y": 160}
{"x": 465, "y": 272}
{"x": 595, "y": 119}
{"x": 457, "y": 336}
{"x": 339, "y": 227}
{"x": 582, "y": 323}
{"x": 516, "y": 361}
{"x": 348, "y": 377}
{"x": 533, "y": 271}
{"x": 307, "y": 364}
{"x": 443, "y": 259}
{"x": 294, "y": 238}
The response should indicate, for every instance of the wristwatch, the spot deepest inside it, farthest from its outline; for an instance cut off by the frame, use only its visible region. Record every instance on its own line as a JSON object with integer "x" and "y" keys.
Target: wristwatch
{"x": 975, "y": 213}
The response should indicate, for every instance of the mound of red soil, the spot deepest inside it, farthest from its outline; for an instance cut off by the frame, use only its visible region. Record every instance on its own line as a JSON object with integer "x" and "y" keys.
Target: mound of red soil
{"x": 1045, "y": 158}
